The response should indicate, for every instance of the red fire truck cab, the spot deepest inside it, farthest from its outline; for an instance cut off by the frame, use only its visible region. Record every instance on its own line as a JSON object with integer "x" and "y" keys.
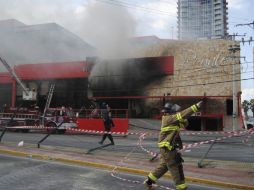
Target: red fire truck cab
{"x": 60, "y": 118}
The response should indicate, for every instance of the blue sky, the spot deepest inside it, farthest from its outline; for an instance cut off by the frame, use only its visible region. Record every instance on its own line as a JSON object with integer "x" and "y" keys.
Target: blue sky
{"x": 86, "y": 18}
{"x": 240, "y": 12}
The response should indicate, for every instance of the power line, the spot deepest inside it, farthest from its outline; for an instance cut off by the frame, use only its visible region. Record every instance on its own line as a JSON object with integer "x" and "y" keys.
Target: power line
{"x": 129, "y": 5}
{"x": 164, "y": 87}
{"x": 243, "y": 19}
{"x": 180, "y": 86}
{"x": 212, "y": 76}
{"x": 208, "y": 77}
{"x": 193, "y": 69}
{"x": 148, "y": 10}
{"x": 135, "y": 6}
{"x": 246, "y": 24}
{"x": 186, "y": 78}
{"x": 202, "y": 76}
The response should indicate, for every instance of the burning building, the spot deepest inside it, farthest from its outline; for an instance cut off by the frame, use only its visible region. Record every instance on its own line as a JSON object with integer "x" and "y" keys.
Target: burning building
{"x": 193, "y": 70}
{"x": 183, "y": 72}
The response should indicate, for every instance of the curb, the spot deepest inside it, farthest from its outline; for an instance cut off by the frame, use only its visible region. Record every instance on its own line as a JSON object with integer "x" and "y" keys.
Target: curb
{"x": 122, "y": 169}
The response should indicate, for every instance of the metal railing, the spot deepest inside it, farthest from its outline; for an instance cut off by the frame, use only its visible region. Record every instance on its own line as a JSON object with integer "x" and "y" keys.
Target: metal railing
{"x": 96, "y": 113}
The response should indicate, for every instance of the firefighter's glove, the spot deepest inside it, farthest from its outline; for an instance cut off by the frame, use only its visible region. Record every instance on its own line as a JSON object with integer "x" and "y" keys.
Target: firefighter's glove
{"x": 179, "y": 145}
{"x": 178, "y": 158}
{"x": 199, "y": 104}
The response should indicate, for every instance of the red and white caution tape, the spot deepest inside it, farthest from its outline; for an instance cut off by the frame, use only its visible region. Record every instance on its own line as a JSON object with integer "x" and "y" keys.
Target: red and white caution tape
{"x": 184, "y": 132}
{"x": 212, "y": 140}
{"x": 74, "y": 130}
{"x": 250, "y": 133}
{"x": 121, "y": 162}
{"x": 114, "y": 171}
{"x": 194, "y": 145}
{"x": 99, "y": 132}
{"x": 29, "y": 127}
{"x": 141, "y": 139}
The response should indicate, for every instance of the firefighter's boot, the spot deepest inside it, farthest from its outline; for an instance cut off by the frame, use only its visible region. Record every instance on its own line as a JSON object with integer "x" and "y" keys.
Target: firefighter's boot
{"x": 149, "y": 184}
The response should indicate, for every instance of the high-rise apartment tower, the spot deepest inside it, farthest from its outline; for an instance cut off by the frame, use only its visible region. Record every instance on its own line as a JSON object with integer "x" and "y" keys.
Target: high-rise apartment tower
{"x": 202, "y": 19}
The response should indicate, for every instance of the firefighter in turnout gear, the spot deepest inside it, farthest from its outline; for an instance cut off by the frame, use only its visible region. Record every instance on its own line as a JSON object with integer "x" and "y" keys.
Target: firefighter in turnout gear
{"x": 169, "y": 144}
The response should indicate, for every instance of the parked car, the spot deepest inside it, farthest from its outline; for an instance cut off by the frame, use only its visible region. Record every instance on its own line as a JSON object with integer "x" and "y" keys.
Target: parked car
{"x": 250, "y": 123}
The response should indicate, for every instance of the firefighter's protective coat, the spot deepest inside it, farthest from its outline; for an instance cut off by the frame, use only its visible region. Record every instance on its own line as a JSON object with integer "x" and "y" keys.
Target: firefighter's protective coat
{"x": 169, "y": 141}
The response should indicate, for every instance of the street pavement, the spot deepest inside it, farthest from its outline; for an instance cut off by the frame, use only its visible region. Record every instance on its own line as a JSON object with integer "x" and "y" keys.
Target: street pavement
{"x": 29, "y": 174}
{"x": 229, "y": 163}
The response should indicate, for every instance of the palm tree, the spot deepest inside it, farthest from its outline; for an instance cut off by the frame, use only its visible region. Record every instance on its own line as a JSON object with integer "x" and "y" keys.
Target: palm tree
{"x": 246, "y": 106}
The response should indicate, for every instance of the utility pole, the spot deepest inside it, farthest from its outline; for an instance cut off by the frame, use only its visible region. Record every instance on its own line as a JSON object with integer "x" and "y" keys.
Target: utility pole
{"x": 251, "y": 24}
{"x": 232, "y": 36}
{"x": 233, "y": 49}
{"x": 250, "y": 40}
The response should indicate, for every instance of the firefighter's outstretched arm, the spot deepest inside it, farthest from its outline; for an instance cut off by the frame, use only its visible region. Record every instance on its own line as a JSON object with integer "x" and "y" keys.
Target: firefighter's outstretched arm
{"x": 171, "y": 119}
{"x": 190, "y": 110}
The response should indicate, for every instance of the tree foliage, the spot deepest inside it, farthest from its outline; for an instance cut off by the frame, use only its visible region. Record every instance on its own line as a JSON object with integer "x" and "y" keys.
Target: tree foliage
{"x": 248, "y": 105}
{"x": 252, "y": 106}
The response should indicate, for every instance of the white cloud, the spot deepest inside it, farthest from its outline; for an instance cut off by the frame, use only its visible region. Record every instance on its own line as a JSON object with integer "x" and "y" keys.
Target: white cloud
{"x": 247, "y": 94}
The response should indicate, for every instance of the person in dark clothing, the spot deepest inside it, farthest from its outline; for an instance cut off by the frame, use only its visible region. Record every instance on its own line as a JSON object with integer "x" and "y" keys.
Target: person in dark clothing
{"x": 108, "y": 124}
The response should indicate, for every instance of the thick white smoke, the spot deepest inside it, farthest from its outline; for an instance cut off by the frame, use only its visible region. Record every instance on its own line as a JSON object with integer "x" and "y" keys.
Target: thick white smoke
{"x": 108, "y": 28}
{"x": 105, "y": 26}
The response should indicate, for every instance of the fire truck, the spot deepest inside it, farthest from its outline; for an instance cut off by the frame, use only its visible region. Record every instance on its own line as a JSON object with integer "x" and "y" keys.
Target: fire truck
{"x": 19, "y": 117}
{"x": 55, "y": 119}
{"x": 60, "y": 119}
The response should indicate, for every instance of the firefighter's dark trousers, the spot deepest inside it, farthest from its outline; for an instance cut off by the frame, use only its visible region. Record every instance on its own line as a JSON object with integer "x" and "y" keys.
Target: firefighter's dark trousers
{"x": 110, "y": 137}
{"x": 170, "y": 161}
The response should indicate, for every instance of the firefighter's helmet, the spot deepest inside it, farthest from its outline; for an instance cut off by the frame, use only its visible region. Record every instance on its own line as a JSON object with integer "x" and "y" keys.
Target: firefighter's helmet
{"x": 171, "y": 108}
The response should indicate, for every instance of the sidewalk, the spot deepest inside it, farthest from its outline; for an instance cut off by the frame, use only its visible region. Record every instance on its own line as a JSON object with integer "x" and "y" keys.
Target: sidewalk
{"x": 222, "y": 173}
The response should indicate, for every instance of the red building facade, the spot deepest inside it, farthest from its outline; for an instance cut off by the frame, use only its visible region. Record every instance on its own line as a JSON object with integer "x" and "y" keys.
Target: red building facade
{"x": 73, "y": 74}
